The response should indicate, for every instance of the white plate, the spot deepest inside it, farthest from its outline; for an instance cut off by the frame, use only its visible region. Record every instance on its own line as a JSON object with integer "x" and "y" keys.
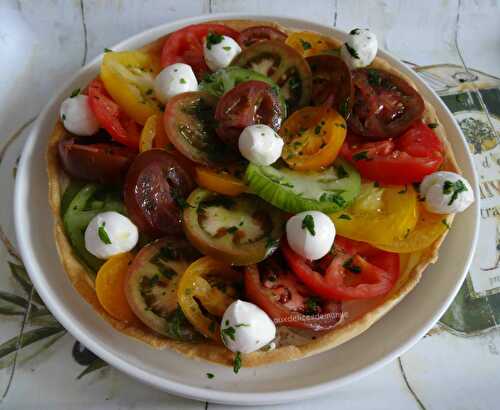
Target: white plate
{"x": 383, "y": 342}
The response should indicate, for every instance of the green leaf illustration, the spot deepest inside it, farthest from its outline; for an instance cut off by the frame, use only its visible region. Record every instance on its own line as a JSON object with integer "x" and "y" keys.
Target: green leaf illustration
{"x": 21, "y": 276}
{"x": 92, "y": 367}
{"x": 10, "y": 311}
{"x": 14, "y": 299}
{"x": 29, "y": 338}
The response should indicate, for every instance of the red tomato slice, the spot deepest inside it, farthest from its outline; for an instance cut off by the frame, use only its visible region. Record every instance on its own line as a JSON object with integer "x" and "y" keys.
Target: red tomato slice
{"x": 277, "y": 291}
{"x": 406, "y": 159}
{"x": 186, "y": 46}
{"x": 356, "y": 270}
{"x": 111, "y": 117}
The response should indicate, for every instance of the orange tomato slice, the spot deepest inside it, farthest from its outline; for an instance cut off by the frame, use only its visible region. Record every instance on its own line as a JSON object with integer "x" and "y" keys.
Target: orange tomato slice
{"x": 110, "y": 287}
{"x": 222, "y": 181}
{"x": 313, "y": 137}
{"x": 310, "y": 44}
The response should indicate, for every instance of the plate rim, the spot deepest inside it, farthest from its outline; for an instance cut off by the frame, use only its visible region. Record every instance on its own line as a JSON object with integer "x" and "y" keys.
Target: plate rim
{"x": 199, "y": 393}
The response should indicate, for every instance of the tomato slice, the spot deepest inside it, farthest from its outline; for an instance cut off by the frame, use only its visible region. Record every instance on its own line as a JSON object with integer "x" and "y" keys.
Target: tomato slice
{"x": 248, "y": 103}
{"x": 384, "y": 106}
{"x": 190, "y": 126}
{"x": 355, "y": 270}
{"x": 429, "y": 228}
{"x": 129, "y": 78}
{"x": 151, "y": 287}
{"x": 238, "y": 230}
{"x": 277, "y": 291}
{"x": 94, "y": 159}
{"x": 186, "y": 46}
{"x": 284, "y": 65}
{"x": 252, "y": 35}
{"x": 332, "y": 83}
{"x": 407, "y": 159}
{"x": 226, "y": 181}
{"x": 379, "y": 214}
{"x": 110, "y": 289}
{"x": 155, "y": 189}
{"x": 313, "y": 137}
{"x": 111, "y": 117}
{"x": 213, "y": 285}
{"x": 309, "y": 44}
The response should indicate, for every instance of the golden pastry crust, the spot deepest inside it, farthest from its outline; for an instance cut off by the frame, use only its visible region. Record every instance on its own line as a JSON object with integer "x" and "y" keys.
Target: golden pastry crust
{"x": 360, "y": 315}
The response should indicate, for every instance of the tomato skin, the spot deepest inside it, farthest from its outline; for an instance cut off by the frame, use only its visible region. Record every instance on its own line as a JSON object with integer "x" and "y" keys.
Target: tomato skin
{"x": 154, "y": 184}
{"x": 407, "y": 159}
{"x": 377, "y": 271}
{"x": 248, "y": 103}
{"x": 186, "y": 46}
{"x": 285, "y": 302}
{"x": 111, "y": 117}
{"x": 255, "y": 34}
{"x": 101, "y": 162}
{"x": 385, "y": 105}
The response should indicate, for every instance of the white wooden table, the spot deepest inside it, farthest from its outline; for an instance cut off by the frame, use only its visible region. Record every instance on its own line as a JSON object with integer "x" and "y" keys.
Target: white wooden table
{"x": 53, "y": 38}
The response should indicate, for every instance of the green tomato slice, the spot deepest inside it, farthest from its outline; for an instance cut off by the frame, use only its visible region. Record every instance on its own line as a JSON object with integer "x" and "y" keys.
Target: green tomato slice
{"x": 328, "y": 191}
{"x": 239, "y": 230}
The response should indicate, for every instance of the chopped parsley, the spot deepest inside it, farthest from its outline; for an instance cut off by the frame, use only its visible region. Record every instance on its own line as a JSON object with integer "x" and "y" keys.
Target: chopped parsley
{"x": 341, "y": 172}
{"x": 107, "y": 50}
{"x": 445, "y": 223}
{"x": 374, "y": 78}
{"x": 179, "y": 199}
{"x": 344, "y": 108}
{"x": 237, "y": 363}
{"x": 432, "y": 125}
{"x": 352, "y": 51}
{"x": 149, "y": 91}
{"x": 404, "y": 191}
{"x": 354, "y": 32}
{"x": 166, "y": 271}
{"x": 212, "y": 326}
{"x": 376, "y": 184}
{"x": 242, "y": 325}
{"x": 308, "y": 223}
{"x": 345, "y": 216}
{"x": 232, "y": 229}
{"x": 358, "y": 156}
{"x": 305, "y": 44}
{"x": 63, "y": 117}
{"x": 317, "y": 129}
{"x": 272, "y": 243}
{"x": 453, "y": 188}
{"x": 210, "y": 375}
{"x": 213, "y": 38}
{"x": 183, "y": 81}
{"x": 226, "y": 48}
{"x": 351, "y": 267}
{"x": 103, "y": 235}
{"x": 74, "y": 93}
{"x": 228, "y": 332}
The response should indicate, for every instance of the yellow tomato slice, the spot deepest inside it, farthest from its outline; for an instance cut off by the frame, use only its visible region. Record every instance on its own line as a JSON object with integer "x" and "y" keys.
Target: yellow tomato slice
{"x": 313, "y": 137}
{"x": 202, "y": 283}
{"x": 110, "y": 287}
{"x": 309, "y": 44}
{"x": 129, "y": 78}
{"x": 153, "y": 134}
{"x": 221, "y": 181}
{"x": 429, "y": 228}
{"x": 379, "y": 214}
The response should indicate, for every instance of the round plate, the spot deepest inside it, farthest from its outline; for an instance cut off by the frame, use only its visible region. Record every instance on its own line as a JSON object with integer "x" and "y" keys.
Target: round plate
{"x": 383, "y": 342}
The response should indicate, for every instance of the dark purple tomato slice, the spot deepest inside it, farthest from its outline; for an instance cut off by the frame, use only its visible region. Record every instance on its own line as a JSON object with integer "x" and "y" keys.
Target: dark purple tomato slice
{"x": 154, "y": 192}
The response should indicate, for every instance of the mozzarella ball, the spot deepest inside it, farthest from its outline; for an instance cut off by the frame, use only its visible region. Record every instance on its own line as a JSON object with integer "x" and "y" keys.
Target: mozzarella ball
{"x": 110, "y": 233}
{"x": 360, "y": 48}
{"x": 446, "y": 192}
{"x": 249, "y": 326}
{"x": 219, "y": 51}
{"x": 175, "y": 79}
{"x": 260, "y": 144}
{"x": 310, "y": 234}
{"x": 77, "y": 116}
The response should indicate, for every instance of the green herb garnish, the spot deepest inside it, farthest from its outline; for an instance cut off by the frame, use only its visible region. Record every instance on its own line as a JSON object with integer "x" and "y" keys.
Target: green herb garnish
{"x": 358, "y": 156}
{"x": 453, "y": 188}
{"x": 305, "y": 44}
{"x": 432, "y": 125}
{"x": 308, "y": 223}
{"x": 107, "y": 50}
{"x": 374, "y": 78}
{"x": 226, "y": 48}
{"x": 74, "y": 93}
{"x": 210, "y": 375}
{"x": 228, "y": 332}
{"x": 404, "y": 191}
{"x": 341, "y": 172}
{"x": 445, "y": 223}
{"x": 237, "y": 363}
{"x": 351, "y": 267}
{"x": 103, "y": 235}
{"x": 345, "y": 216}
{"x": 352, "y": 51}
{"x": 213, "y": 38}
